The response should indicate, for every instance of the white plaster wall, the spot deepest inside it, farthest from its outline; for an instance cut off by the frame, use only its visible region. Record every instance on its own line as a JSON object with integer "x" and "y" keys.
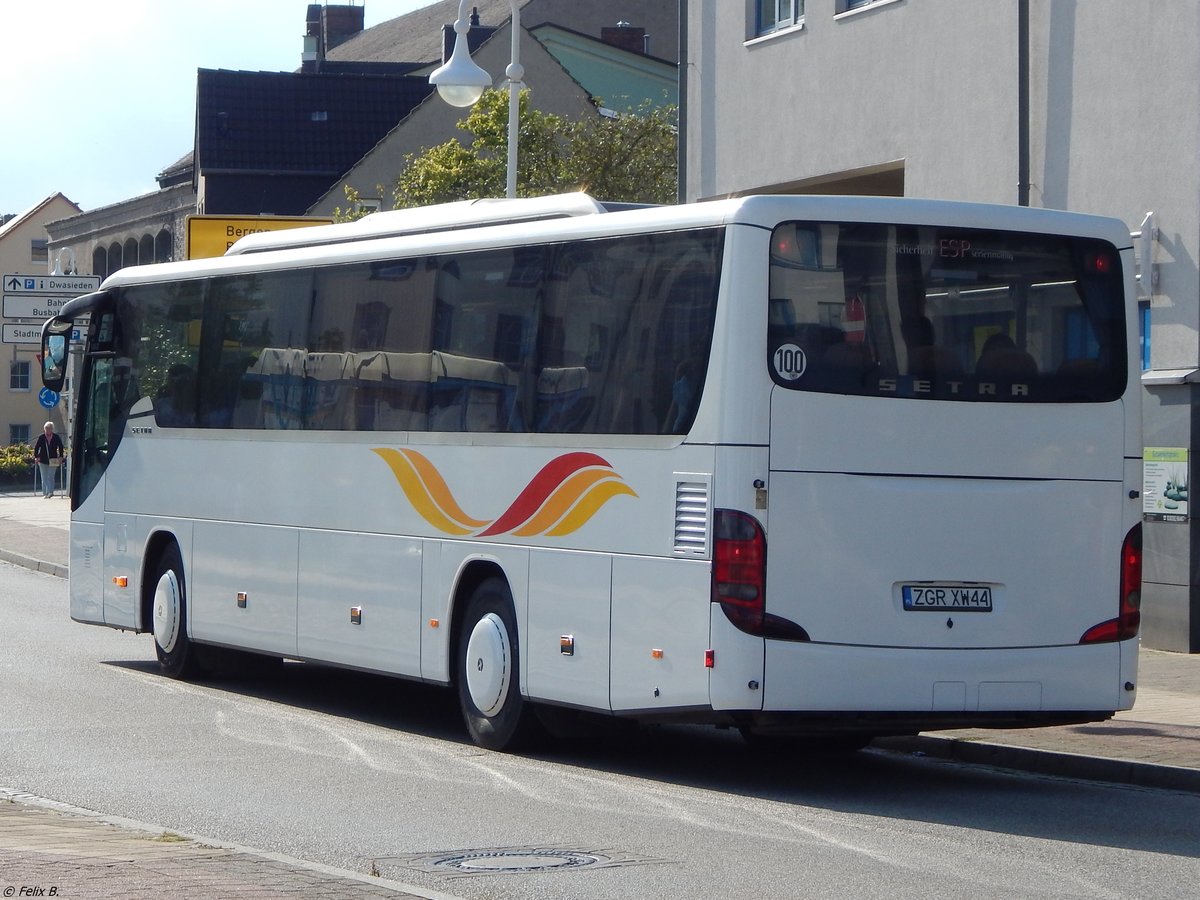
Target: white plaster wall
{"x": 1118, "y": 93}
{"x": 932, "y": 84}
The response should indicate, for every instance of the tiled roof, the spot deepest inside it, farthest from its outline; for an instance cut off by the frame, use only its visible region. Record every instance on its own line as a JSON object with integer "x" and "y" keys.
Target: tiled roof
{"x": 289, "y": 122}
{"x": 20, "y": 218}
{"x": 417, "y": 36}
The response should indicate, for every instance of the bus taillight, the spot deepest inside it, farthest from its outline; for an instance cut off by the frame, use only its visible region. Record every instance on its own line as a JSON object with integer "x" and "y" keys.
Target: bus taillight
{"x": 1129, "y": 616}
{"x": 739, "y": 573}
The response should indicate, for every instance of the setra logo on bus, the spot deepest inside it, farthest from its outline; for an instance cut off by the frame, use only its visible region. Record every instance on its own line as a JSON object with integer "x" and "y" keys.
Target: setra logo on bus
{"x": 952, "y": 387}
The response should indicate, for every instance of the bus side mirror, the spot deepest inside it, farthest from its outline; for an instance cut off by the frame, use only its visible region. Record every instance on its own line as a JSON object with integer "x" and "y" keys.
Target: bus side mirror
{"x": 55, "y": 334}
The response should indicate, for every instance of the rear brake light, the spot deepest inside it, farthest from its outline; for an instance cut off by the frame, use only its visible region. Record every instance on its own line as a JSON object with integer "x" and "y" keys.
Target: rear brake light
{"x": 1129, "y": 614}
{"x": 739, "y": 573}
{"x": 1100, "y": 263}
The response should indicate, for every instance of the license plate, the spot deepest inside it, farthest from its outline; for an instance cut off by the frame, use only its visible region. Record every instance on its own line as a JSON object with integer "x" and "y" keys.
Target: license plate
{"x": 947, "y": 597}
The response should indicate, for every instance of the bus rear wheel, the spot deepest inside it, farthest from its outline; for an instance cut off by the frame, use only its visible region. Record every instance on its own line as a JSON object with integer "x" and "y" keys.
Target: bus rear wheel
{"x": 487, "y": 670}
{"x": 177, "y": 656}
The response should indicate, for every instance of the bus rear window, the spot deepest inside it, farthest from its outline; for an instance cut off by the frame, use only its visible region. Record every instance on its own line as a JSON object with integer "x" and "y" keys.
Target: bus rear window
{"x": 945, "y": 313}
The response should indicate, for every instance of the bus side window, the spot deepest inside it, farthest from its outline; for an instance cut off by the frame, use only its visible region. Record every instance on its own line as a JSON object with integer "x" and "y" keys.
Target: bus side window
{"x": 393, "y": 390}
{"x": 563, "y": 404}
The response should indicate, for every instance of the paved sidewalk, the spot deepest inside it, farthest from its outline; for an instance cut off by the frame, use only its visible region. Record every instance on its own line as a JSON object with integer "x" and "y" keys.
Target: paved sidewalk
{"x": 51, "y": 850}
{"x": 1155, "y": 744}
{"x": 45, "y": 845}
{"x": 34, "y": 532}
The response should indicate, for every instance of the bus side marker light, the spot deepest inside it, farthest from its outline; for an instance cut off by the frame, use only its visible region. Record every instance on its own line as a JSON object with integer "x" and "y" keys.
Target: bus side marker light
{"x": 356, "y": 615}
{"x": 710, "y": 659}
{"x": 566, "y": 644}
{"x": 121, "y": 580}
{"x": 656, "y": 654}
{"x": 434, "y": 623}
{"x": 242, "y": 599}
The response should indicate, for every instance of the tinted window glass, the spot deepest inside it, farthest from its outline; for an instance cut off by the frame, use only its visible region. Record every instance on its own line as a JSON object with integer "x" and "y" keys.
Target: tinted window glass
{"x": 945, "y": 313}
{"x": 602, "y": 336}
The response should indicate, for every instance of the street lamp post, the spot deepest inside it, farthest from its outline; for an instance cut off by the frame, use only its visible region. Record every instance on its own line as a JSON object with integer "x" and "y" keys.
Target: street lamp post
{"x": 461, "y": 82}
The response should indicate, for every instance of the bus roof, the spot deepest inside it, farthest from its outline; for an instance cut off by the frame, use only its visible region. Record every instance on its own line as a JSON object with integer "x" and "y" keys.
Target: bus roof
{"x": 763, "y": 209}
{"x": 423, "y": 220}
{"x": 472, "y": 224}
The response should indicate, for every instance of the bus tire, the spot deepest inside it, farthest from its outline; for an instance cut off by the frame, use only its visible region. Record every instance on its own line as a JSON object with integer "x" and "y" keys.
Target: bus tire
{"x": 177, "y": 656}
{"x": 487, "y": 670}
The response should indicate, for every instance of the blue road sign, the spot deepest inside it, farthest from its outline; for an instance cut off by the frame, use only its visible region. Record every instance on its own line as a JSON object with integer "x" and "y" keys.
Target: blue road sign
{"x": 48, "y": 398}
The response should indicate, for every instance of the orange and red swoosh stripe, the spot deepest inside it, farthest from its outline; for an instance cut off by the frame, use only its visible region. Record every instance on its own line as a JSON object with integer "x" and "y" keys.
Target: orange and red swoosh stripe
{"x": 558, "y": 500}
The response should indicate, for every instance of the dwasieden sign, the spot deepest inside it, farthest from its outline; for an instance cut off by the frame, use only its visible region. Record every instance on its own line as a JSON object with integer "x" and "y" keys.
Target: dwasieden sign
{"x": 41, "y": 296}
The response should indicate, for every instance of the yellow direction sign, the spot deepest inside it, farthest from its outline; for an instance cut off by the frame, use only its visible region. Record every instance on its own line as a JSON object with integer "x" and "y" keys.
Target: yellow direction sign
{"x": 213, "y": 235}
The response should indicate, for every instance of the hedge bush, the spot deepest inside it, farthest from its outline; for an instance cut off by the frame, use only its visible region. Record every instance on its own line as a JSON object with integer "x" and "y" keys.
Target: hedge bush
{"x": 16, "y": 462}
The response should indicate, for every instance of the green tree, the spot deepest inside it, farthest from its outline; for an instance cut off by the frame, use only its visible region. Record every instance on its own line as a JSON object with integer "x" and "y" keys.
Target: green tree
{"x": 629, "y": 157}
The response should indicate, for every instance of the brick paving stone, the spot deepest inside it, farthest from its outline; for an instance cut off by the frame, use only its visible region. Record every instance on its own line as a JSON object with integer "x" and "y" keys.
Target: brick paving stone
{"x": 87, "y": 857}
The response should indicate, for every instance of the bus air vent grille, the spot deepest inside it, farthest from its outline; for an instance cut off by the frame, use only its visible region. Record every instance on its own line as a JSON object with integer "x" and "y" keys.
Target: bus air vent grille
{"x": 692, "y": 514}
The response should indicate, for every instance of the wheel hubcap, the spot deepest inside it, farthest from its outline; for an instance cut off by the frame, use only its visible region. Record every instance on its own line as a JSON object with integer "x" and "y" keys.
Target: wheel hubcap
{"x": 487, "y": 664}
{"x": 166, "y": 611}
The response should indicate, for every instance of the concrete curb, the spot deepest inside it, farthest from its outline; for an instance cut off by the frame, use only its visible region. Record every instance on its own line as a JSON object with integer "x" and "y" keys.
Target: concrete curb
{"x": 37, "y": 565}
{"x": 1048, "y": 762}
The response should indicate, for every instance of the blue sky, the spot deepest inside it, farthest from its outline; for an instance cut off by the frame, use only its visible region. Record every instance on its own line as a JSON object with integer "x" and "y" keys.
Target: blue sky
{"x": 98, "y": 96}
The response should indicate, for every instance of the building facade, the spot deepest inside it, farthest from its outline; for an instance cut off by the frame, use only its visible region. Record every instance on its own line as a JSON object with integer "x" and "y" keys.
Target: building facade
{"x": 1088, "y": 106}
{"x": 24, "y": 250}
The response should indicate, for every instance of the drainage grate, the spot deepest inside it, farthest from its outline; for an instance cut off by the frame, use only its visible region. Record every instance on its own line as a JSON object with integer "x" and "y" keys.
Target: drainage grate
{"x": 512, "y": 860}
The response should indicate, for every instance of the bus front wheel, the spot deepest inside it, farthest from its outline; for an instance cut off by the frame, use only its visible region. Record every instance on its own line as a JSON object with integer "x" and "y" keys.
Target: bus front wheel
{"x": 489, "y": 690}
{"x": 176, "y": 653}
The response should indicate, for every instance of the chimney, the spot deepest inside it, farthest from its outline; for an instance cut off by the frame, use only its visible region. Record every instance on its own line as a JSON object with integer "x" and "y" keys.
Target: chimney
{"x": 325, "y": 27}
{"x": 628, "y": 37}
{"x": 340, "y": 23}
{"x": 313, "y": 52}
{"x": 476, "y": 36}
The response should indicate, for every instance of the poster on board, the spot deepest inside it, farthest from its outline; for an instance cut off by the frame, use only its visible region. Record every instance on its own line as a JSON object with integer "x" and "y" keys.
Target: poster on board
{"x": 1165, "y": 484}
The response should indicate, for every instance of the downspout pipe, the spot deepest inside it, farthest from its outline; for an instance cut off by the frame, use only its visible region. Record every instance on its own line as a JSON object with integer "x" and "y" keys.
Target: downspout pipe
{"x": 681, "y": 122}
{"x": 1022, "y": 102}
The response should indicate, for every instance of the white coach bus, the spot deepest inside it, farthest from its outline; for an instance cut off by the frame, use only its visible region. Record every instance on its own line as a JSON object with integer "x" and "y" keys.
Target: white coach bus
{"x": 836, "y": 467}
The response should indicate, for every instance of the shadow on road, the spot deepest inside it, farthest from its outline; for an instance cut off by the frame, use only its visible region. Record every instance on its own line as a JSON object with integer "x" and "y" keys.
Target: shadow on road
{"x": 872, "y": 782}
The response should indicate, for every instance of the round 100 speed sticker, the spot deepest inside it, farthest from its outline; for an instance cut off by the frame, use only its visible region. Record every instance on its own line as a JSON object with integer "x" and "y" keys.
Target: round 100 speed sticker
{"x": 790, "y": 362}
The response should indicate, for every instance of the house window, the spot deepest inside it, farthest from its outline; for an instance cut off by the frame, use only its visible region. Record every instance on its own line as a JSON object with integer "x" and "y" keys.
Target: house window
{"x": 18, "y": 376}
{"x": 774, "y": 15}
{"x": 18, "y": 434}
{"x": 38, "y": 251}
{"x": 849, "y": 5}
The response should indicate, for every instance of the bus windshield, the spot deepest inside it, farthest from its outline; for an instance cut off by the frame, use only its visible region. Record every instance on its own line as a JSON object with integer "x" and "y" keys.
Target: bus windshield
{"x": 945, "y": 313}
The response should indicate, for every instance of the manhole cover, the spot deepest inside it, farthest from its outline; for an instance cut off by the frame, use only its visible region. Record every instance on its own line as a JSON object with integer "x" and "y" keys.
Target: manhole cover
{"x": 519, "y": 860}
{"x": 512, "y": 860}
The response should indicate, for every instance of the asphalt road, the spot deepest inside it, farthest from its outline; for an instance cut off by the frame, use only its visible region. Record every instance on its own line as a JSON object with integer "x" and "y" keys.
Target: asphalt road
{"x": 371, "y": 774}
